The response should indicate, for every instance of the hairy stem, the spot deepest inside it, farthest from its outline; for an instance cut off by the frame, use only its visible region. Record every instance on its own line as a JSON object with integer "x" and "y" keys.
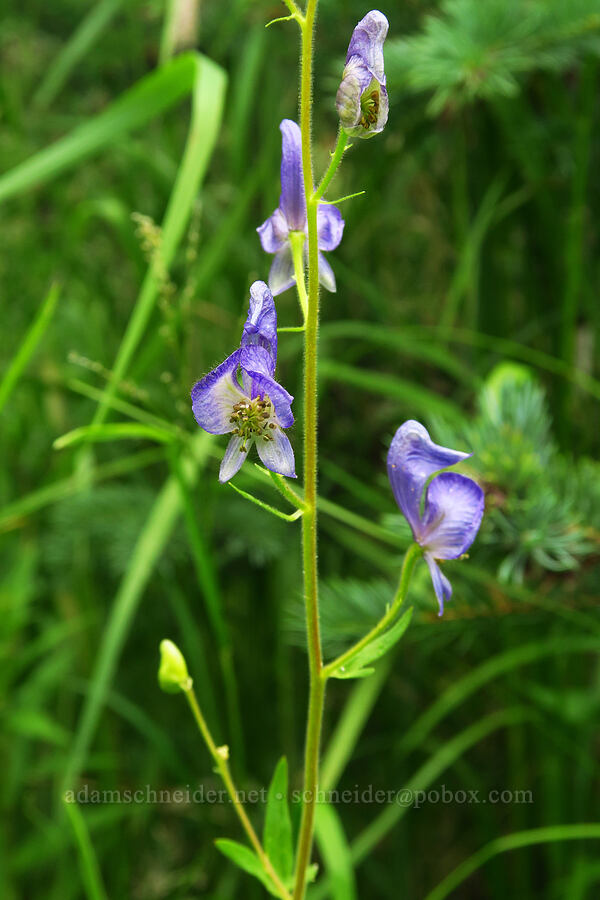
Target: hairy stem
{"x": 309, "y": 520}
{"x": 336, "y": 157}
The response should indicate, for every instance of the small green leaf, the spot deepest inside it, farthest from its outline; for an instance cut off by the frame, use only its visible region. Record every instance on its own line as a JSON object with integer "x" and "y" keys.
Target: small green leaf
{"x": 349, "y": 671}
{"x": 357, "y": 666}
{"x": 247, "y": 860}
{"x": 277, "y": 837}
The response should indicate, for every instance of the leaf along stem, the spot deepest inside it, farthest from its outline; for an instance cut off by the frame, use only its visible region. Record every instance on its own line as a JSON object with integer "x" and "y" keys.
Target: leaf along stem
{"x": 413, "y": 553}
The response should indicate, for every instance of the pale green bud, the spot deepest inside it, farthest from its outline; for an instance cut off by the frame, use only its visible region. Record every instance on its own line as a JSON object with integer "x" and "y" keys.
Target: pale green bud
{"x": 172, "y": 673}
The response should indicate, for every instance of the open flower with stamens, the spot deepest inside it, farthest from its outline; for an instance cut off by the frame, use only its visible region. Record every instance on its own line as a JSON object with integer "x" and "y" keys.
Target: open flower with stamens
{"x": 288, "y": 223}
{"x": 362, "y": 100}
{"x": 452, "y": 505}
{"x": 241, "y": 397}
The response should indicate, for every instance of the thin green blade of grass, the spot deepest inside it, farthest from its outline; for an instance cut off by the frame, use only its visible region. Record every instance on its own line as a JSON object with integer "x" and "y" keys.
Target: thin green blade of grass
{"x": 535, "y": 836}
{"x": 15, "y": 514}
{"x": 90, "y": 870}
{"x": 146, "y": 100}
{"x": 442, "y": 759}
{"x": 28, "y": 345}
{"x": 461, "y": 690}
{"x": 83, "y": 38}
{"x": 144, "y": 557}
{"x": 208, "y": 97}
{"x": 335, "y": 850}
{"x": 114, "y": 431}
{"x": 206, "y": 576}
{"x": 412, "y": 395}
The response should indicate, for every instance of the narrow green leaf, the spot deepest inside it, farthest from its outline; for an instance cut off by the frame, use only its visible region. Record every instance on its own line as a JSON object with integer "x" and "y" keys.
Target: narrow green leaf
{"x": 247, "y": 860}
{"x": 356, "y": 666}
{"x": 90, "y": 870}
{"x": 578, "y": 832}
{"x": 277, "y": 838}
{"x": 113, "y": 432}
{"x": 414, "y": 396}
{"x": 147, "y": 99}
{"x": 28, "y": 344}
{"x": 146, "y": 553}
{"x": 336, "y": 853}
{"x": 83, "y": 38}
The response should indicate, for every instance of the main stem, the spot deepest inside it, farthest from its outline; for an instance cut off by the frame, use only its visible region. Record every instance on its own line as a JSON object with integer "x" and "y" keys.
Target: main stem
{"x": 309, "y": 520}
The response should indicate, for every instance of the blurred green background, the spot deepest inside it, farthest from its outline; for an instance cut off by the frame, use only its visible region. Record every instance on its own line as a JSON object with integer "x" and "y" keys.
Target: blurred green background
{"x": 467, "y": 298}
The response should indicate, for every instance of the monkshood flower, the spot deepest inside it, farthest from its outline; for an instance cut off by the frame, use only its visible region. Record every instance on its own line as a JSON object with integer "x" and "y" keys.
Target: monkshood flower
{"x": 241, "y": 397}
{"x": 362, "y": 100}
{"x": 452, "y": 506}
{"x": 277, "y": 233}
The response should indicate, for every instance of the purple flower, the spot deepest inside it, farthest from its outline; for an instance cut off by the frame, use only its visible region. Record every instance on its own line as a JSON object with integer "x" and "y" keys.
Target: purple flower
{"x": 290, "y": 216}
{"x": 453, "y": 504}
{"x": 362, "y": 100}
{"x": 241, "y": 396}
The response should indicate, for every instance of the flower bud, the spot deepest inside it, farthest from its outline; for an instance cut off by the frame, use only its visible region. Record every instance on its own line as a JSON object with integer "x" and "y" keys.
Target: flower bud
{"x": 172, "y": 673}
{"x": 362, "y": 100}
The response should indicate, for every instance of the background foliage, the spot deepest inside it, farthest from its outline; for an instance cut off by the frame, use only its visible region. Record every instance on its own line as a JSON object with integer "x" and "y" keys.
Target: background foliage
{"x": 467, "y": 298}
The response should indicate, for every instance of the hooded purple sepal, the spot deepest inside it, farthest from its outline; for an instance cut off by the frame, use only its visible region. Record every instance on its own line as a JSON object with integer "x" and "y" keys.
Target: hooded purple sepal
{"x": 453, "y": 505}
{"x": 362, "y": 100}
{"x": 241, "y": 395}
{"x": 290, "y": 216}
{"x": 261, "y": 325}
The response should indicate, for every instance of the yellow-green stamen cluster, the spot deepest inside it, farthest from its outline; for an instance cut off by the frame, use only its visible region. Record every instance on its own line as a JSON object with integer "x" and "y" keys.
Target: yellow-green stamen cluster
{"x": 253, "y": 419}
{"x": 369, "y": 104}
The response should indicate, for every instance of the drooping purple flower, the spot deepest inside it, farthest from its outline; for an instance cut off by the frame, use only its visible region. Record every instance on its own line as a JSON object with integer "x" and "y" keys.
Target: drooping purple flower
{"x": 290, "y": 216}
{"x": 453, "y": 504}
{"x": 362, "y": 100}
{"x": 242, "y": 398}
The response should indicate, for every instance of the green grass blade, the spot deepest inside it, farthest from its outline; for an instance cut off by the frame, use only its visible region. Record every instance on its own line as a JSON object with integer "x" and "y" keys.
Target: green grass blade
{"x": 83, "y": 38}
{"x": 206, "y": 576}
{"x": 14, "y": 515}
{"x": 448, "y": 753}
{"x": 145, "y": 555}
{"x": 90, "y": 870}
{"x": 413, "y": 396}
{"x": 351, "y": 723}
{"x": 117, "y": 431}
{"x": 147, "y": 99}
{"x": 208, "y": 98}
{"x": 552, "y": 834}
{"x": 335, "y": 850}
{"x": 28, "y": 344}
{"x": 460, "y": 690}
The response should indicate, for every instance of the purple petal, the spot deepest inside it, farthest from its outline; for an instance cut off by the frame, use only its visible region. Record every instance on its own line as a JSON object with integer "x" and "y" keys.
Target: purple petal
{"x": 326, "y": 276}
{"x": 367, "y": 42}
{"x": 273, "y": 232}
{"x": 412, "y": 458}
{"x": 441, "y": 585}
{"x": 292, "y": 201}
{"x": 257, "y": 363}
{"x": 214, "y": 396}
{"x": 330, "y": 226}
{"x": 261, "y": 325}
{"x": 453, "y": 512}
{"x": 382, "y": 116}
{"x": 356, "y": 79}
{"x": 277, "y": 454}
{"x": 281, "y": 275}
{"x": 234, "y": 457}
